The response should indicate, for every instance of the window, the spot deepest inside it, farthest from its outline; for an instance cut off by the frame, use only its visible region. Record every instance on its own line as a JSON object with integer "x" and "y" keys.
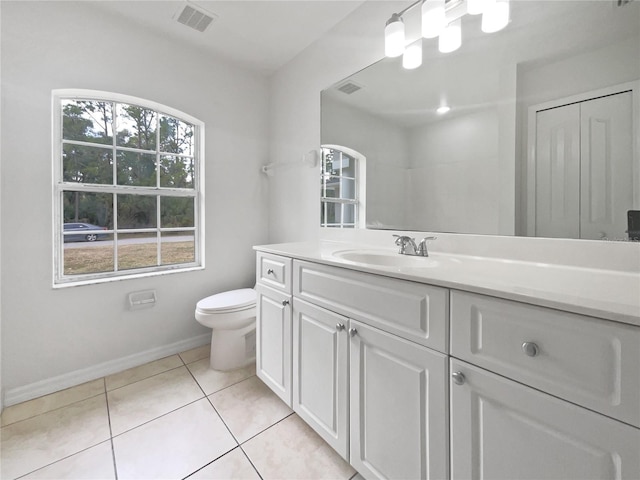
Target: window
{"x": 127, "y": 187}
{"x": 342, "y": 188}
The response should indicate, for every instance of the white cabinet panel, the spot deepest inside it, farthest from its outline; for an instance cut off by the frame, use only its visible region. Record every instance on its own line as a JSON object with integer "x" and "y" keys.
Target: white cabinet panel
{"x": 398, "y": 407}
{"x": 587, "y": 361}
{"x": 503, "y": 430}
{"x": 274, "y": 271}
{"x": 273, "y": 341}
{"x": 320, "y": 373}
{"x": 414, "y": 311}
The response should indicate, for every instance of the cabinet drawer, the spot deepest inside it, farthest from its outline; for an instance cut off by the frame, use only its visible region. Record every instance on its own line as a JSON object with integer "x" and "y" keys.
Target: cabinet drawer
{"x": 414, "y": 311}
{"x": 274, "y": 271}
{"x": 582, "y": 359}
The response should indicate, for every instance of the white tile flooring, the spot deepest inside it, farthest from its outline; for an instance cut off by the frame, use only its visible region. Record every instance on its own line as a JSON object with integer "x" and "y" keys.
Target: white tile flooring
{"x": 169, "y": 419}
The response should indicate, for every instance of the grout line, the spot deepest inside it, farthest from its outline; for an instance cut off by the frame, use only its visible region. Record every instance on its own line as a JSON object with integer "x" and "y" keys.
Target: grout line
{"x": 53, "y": 409}
{"x": 142, "y": 379}
{"x": 160, "y": 416}
{"x": 250, "y": 461}
{"x": 113, "y": 450}
{"x": 267, "y": 428}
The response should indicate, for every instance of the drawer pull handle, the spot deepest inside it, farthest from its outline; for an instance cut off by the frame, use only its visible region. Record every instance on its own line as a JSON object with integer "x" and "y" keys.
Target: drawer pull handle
{"x": 270, "y": 271}
{"x": 353, "y": 332}
{"x": 339, "y": 327}
{"x": 458, "y": 378}
{"x": 530, "y": 348}
{"x": 285, "y": 303}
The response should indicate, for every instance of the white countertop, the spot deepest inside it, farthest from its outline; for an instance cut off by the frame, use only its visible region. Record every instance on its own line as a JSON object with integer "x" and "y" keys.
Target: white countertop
{"x": 608, "y": 294}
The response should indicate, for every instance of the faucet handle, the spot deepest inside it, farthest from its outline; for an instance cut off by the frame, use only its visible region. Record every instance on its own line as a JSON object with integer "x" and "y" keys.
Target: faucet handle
{"x": 422, "y": 246}
{"x": 402, "y": 241}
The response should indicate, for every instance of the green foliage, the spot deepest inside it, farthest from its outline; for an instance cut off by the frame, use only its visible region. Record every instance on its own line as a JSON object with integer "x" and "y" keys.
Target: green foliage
{"x": 91, "y": 121}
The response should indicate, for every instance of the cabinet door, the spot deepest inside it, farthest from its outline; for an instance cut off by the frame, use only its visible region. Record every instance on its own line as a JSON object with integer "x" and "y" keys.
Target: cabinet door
{"x": 501, "y": 429}
{"x": 273, "y": 341}
{"x": 398, "y": 407}
{"x": 320, "y": 373}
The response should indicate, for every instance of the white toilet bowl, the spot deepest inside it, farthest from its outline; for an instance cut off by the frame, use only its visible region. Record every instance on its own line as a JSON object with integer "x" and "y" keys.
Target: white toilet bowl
{"x": 232, "y": 318}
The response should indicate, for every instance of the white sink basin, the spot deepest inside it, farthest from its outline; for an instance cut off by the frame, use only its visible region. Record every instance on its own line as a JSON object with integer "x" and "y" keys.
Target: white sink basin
{"x": 383, "y": 258}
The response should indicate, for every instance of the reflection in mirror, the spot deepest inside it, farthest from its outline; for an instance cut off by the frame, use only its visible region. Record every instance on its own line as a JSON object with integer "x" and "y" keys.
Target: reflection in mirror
{"x": 508, "y": 158}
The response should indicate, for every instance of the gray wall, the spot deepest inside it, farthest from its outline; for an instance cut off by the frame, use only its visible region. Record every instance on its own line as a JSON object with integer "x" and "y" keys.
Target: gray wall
{"x": 51, "y": 333}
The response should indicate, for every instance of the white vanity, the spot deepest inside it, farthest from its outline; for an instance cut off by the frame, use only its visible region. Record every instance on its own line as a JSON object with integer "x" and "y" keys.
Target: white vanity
{"x": 433, "y": 370}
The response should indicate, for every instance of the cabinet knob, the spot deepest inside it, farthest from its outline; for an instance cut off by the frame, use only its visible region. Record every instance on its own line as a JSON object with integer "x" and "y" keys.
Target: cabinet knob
{"x": 285, "y": 303}
{"x": 458, "y": 378}
{"x": 270, "y": 271}
{"x": 530, "y": 348}
{"x": 339, "y": 327}
{"x": 353, "y": 332}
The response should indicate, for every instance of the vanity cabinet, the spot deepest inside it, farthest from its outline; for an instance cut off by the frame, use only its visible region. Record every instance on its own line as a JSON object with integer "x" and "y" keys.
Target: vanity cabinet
{"x": 398, "y": 407}
{"x": 501, "y": 429}
{"x": 519, "y": 411}
{"x": 407, "y": 380}
{"x": 273, "y": 324}
{"x": 321, "y": 372}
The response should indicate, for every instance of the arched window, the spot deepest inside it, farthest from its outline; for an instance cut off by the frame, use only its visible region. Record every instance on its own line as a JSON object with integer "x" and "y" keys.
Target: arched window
{"x": 128, "y": 198}
{"x": 342, "y": 187}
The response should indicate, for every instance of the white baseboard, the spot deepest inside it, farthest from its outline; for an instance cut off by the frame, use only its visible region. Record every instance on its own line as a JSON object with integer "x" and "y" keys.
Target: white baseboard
{"x": 71, "y": 379}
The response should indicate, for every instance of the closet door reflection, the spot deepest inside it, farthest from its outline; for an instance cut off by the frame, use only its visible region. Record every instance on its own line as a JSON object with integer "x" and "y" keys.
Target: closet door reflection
{"x": 584, "y": 169}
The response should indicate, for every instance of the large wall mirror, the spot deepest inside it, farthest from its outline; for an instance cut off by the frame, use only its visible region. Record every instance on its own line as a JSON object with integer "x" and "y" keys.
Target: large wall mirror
{"x": 541, "y": 138}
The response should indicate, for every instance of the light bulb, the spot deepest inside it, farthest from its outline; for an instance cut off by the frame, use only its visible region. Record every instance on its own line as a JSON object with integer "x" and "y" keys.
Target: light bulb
{"x": 451, "y": 37}
{"x": 394, "y": 36}
{"x": 496, "y": 16}
{"x": 412, "y": 57}
{"x": 443, "y": 109}
{"x": 433, "y": 18}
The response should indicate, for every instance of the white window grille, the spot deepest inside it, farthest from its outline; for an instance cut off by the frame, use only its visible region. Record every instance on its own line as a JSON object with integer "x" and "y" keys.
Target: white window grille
{"x": 128, "y": 196}
{"x": 342, "y": 188}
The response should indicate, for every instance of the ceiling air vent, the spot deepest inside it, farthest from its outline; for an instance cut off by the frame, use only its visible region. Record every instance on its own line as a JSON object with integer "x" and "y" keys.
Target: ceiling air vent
{"x": 349, "y": 87}
{"x": 195, "y": 18}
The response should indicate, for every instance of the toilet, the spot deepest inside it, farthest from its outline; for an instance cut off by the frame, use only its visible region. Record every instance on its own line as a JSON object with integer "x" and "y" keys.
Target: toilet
{"x": 232, "y": 318}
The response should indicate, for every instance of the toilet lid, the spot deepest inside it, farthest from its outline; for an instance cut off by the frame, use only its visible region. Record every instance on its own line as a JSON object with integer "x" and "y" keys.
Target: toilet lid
{"x": 228, "y": 301}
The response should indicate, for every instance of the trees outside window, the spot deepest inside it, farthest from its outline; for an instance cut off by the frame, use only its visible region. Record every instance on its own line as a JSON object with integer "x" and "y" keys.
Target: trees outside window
{"x": 128, "y": 172}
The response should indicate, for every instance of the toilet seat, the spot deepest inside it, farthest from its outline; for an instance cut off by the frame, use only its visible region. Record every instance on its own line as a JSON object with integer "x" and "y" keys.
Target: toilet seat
{"x": 228, "y": 302}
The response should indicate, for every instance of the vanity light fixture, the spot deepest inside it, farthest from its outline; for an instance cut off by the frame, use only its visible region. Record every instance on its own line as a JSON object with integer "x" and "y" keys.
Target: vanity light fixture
{"x": 496, "y": 16}
{"x": 443, "y": 19}
{"x": 412, "y": 57}
{"x": 433, "y": 18}
{"x": 394, "y": 36}
{"x": 451, "y": 38}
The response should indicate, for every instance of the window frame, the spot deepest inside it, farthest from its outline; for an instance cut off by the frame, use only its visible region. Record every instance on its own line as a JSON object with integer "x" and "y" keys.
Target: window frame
{"x": 60, "y": 186}
{"x": 359, "y": 188}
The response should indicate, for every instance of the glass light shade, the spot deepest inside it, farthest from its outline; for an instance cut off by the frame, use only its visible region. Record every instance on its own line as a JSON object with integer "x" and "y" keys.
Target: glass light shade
{"x": 496, "y": 16}
{"x": 394, "y": 37}
{"x": 433, "y": 18}
{"x": 412, "y": 57}
{"x": 451, "y": 37}
{"x": 475, "y": 7}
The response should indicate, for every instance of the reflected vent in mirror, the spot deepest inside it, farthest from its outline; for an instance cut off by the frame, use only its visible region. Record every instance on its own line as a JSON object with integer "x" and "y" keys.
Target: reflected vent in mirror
{"x": 349, "y": 87}
{"x": 195, "y": 19}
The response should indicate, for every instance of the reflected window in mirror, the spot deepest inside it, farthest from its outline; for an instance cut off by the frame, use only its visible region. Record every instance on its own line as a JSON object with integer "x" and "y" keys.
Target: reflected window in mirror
{"x": 341, "y": 187}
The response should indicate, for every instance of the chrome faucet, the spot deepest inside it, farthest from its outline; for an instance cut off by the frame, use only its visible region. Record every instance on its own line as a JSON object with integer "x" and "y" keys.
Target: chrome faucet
{"x": 408, "y": 246}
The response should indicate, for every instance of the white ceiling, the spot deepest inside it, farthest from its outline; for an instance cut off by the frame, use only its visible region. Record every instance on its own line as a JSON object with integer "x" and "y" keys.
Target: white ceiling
{"x": 262, "y": 35}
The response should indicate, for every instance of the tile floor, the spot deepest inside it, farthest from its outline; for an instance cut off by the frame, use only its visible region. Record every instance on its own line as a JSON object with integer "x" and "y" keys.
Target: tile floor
{"x": 169, "y": 419}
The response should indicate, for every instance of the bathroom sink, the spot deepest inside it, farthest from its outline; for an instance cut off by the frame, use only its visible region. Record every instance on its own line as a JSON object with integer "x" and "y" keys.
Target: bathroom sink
{"x": 383, "y": 258}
